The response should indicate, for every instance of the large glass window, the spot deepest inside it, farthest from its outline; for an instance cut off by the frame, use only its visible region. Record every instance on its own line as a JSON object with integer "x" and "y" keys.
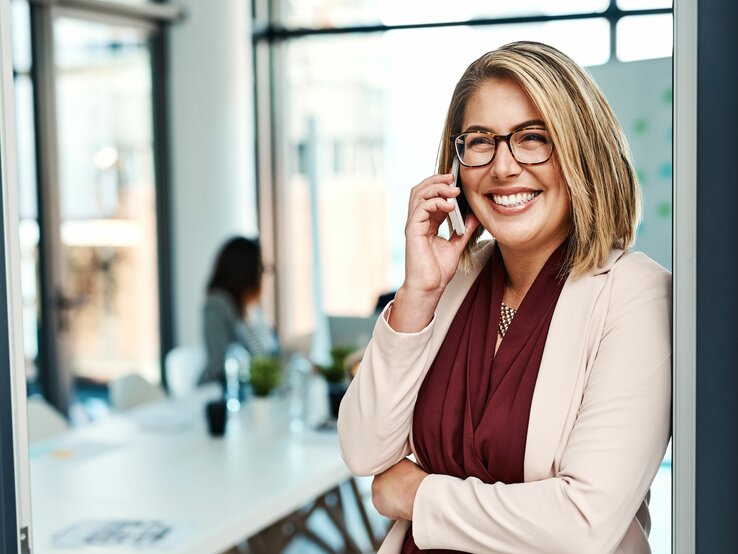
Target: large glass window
{"x": 644, "y": 37}
{"x": 26, "y": 158}
{"x": 107, "y": 198}
{"x": 363, "y": 116}
{"x": 100, "y": 316}
{"x": 337, "y": 13}
{"x": 359, "y": 115}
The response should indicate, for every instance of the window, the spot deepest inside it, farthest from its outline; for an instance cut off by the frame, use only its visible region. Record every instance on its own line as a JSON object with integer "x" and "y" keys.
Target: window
{"x": 645, "y": 37}
{"x": 349, "y": 103}
{"x": 26, "y": 158}
{"x": 107, "y": 198}
{"x": 88, "y": 191}
{"x": 360, "y": 90}
{"x": 349, "y": 82}
{"x": 336, "y": 13}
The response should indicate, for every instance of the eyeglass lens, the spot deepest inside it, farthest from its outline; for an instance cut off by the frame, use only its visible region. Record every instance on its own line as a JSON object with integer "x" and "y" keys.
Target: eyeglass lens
{"x": 528, "y": 146}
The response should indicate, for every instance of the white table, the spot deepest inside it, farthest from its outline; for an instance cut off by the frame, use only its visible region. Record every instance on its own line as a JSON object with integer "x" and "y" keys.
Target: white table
{"x": 158, "y": 462}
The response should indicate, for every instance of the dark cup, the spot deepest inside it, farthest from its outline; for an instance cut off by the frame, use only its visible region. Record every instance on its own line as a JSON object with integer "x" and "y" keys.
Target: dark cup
{"x": 335, "y": 395}
{"x": 215, "y": 413}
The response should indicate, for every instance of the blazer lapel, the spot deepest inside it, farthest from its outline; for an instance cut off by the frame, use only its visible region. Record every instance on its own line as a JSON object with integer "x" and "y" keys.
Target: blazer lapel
{"x": 560, "y": 377}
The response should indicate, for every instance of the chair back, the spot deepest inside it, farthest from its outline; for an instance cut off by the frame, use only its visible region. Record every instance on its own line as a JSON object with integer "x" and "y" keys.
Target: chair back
{"x": 131, "y": 390}
{"x": 44, "y": 421}
{"x": 183, "y": 366}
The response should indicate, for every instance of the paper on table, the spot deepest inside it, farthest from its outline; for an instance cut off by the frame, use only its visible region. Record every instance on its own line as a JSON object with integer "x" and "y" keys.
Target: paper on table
{"x": 138, "y": 534}
{"x": 77, "y": 450}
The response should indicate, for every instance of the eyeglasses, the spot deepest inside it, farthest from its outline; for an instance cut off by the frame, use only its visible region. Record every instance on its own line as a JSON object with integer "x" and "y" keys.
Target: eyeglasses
{"x": 528, "y": 146}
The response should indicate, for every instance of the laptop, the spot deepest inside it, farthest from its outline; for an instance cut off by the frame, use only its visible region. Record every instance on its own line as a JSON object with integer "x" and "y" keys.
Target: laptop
{"x": 351, "y": 330}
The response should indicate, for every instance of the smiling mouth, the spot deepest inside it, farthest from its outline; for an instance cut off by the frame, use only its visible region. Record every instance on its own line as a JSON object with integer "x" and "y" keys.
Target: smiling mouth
{"x": 513, "y": 200}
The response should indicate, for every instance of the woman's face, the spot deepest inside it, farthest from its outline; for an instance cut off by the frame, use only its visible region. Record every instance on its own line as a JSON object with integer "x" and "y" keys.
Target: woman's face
{"x": 539, "y": 218}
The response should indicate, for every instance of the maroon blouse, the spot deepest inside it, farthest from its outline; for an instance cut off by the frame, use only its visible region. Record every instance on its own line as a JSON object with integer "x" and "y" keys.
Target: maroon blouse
{"x": 471, "y": 415}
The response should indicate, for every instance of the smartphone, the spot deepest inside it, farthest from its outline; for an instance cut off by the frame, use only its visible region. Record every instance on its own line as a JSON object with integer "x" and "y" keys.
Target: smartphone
{"x": 456, "y": 217}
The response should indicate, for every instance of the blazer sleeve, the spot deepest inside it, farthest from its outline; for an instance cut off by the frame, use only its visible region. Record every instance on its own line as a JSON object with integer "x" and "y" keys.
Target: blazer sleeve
{"x": 376, "y": 414}
{"x": 609, "y": 461}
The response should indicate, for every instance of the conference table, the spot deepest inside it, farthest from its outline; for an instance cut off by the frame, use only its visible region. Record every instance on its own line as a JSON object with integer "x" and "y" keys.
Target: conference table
{"x": 153, "y": 479}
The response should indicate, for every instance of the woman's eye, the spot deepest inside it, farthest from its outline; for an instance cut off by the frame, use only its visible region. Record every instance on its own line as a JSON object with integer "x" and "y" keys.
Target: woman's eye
{"x": 534, "y": 136}
{"x": 480, "y": 142}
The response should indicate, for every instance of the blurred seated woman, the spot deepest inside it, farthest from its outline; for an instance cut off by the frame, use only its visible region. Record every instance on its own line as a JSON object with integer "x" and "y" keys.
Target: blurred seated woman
{"x": 232, "y": 312}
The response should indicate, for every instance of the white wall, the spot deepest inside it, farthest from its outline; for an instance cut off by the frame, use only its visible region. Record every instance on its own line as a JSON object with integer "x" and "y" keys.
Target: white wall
{"x": 213, "y": 187}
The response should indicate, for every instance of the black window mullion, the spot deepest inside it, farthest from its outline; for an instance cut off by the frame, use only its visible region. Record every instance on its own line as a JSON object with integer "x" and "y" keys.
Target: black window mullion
{"x": 162, "y": 172}
{"x": 275, "y": 32}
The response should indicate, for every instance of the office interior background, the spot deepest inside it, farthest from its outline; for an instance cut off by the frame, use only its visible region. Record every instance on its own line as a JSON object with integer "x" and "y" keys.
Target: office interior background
{"x": 146, "y": 139}
{"x": 148, "y": 133}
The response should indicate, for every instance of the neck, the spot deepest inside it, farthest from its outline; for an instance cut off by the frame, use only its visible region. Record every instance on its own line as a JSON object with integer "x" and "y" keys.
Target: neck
{"x": 522, "y": 269}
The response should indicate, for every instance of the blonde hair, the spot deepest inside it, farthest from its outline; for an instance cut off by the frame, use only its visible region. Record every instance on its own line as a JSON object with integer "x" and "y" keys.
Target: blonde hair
{"x": 589, "y": 145}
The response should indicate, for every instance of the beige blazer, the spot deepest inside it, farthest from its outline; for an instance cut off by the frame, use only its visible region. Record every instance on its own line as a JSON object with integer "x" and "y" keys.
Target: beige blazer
{"x": 598, "y": 429}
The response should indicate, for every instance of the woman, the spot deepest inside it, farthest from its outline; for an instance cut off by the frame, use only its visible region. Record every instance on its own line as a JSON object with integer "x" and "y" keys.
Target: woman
{"x": 232, "y": 311}
{"x": 529, "y": 375}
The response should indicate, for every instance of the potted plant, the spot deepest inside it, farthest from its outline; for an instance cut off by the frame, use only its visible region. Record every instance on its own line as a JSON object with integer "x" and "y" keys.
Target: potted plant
{"x": 265, "y": 375}
{"x": 336, "y": 375}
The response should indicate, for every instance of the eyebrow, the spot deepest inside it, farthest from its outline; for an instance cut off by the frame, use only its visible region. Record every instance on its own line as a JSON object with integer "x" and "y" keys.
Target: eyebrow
{"x": 523, "y": 125}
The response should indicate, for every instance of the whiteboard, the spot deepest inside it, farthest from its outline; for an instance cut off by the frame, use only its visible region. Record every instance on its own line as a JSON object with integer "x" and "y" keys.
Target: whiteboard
{"x": 640, "y": 94}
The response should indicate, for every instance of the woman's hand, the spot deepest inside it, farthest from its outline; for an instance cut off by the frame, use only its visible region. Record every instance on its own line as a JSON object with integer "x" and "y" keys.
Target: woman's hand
{"x": 393, "y": 492}
{"x": 430, "y": 260}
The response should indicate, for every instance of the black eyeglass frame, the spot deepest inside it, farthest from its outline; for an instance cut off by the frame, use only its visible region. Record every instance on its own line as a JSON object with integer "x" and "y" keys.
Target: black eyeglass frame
{"x": 497, "y": 138}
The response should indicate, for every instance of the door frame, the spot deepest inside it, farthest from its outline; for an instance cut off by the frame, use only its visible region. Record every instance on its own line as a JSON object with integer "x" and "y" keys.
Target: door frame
{"x": 14, "y": 468}
{"x": 684, "y": 234}
{"x": 55, "y": 378}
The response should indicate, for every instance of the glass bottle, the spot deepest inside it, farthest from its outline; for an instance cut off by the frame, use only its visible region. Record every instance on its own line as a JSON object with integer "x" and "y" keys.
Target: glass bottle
{"x": 236, "y": 369}
{"x": 299, "y": 370}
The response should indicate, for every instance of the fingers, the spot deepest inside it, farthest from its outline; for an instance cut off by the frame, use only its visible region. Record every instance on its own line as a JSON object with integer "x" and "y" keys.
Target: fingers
{"x": 429, "y": 203}
{"x": 434, "y": 210}
{"x": 436, "y": 185}
{"x": 440, "y": 189}
{"x": 470, "y": 225}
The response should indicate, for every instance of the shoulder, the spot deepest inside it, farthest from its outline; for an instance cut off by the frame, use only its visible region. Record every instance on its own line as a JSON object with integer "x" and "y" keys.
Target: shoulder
{"x": 629, "y": 267}
{"x": 635, "y": 271}
{"x": 218, "y": 302}
{"x": 628, "y": 283}
{"x": 639, "y": 294}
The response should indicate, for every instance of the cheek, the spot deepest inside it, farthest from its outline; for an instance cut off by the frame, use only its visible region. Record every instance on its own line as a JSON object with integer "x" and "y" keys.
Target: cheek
{"x": 467, "y": 178}
{"x": 554, "y": 181}
{"x": 558, "y": 192}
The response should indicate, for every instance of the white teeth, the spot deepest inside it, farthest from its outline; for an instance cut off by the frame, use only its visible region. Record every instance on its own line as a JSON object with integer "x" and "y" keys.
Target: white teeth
{"x": 514, "y": 199}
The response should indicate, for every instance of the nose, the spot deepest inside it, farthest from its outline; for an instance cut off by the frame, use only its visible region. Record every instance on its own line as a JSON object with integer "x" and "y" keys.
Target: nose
{"x": 504, "y": 165}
